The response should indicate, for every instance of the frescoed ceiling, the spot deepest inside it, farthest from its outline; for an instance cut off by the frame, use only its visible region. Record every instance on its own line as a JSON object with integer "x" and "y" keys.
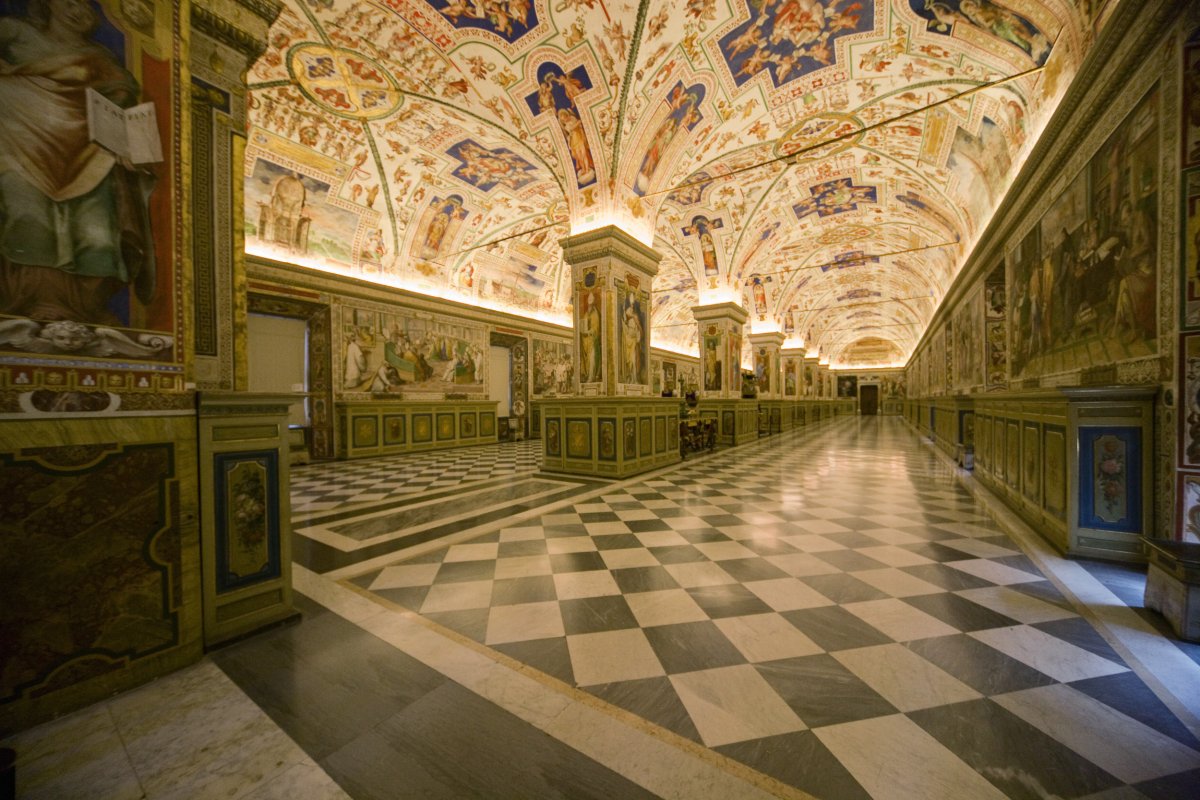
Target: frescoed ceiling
{"x": 813, "y": 161}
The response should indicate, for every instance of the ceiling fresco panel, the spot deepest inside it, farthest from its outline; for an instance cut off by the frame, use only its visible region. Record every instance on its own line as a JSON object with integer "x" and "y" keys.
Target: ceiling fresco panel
{"x": 801, "y": 157}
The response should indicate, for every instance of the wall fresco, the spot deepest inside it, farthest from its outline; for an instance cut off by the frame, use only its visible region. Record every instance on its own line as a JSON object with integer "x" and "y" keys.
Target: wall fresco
{"x": 406, "y": 352}
{"x": 553, "y": 367}
{"x": 88, "y": 243}
{"x": 1082, "y": 284}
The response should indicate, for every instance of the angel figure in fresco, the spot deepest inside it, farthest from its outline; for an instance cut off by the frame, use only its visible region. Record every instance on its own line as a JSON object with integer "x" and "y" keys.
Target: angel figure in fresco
{"x": 74, "y": 219}
{"x": 577, "y": 143}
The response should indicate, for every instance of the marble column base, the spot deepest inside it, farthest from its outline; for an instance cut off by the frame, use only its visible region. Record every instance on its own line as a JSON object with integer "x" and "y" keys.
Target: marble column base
{"x": 737, "y": 419}
{"x": 609, "y": 437}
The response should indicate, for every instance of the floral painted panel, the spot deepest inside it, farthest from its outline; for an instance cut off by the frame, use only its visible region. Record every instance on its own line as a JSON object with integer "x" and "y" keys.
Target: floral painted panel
{"x": 1110, "y": 478}
{"x": 247, "y": 491}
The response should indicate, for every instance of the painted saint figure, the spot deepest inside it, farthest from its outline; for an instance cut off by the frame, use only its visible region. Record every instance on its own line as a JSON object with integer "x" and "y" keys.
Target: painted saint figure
{"x": 74, "y": 221}
{"x": 702, "y": 228}
{"x": 445, "y": 213}
{"x": 589, "y": 336}
{"x": 632, "y": 340}
{"x": 557, "y": 93}
{"x": 581, "y": 154}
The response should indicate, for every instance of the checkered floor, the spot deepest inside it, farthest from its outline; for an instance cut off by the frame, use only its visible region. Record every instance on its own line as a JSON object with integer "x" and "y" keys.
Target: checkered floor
{"x": 830, "y": 609}
{"x": 323, "y": 487}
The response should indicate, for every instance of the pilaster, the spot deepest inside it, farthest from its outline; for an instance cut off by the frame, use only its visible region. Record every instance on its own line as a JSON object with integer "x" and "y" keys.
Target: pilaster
{"x": 615, "y": 426}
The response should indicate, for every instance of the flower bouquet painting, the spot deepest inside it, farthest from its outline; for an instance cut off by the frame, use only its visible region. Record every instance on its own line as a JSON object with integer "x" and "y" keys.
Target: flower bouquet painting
{"x": 1110, "y": 476}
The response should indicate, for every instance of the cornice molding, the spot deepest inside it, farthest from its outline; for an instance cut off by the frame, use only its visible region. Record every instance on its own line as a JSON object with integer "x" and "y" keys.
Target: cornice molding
{"x": 610, "y": 243}
{"x": 246, "y": 32}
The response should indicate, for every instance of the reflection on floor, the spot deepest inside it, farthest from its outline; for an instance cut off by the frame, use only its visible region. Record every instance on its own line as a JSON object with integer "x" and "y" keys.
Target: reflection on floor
{"x": 824, "y": 613}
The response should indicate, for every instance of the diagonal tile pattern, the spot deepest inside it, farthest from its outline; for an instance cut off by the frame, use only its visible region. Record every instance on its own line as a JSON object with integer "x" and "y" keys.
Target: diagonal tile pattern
{"x": 322, "y": 487}
{"x": 833, "y": 592}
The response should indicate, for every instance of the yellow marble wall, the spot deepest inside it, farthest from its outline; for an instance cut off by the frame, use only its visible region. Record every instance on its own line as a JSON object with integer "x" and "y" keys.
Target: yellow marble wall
{"x": 100, "y": 580}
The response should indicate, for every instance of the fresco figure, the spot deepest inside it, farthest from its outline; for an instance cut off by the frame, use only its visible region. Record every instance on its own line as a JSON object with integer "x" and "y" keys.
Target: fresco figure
{"x": 702, "y": 228}
{"x": 994, "y": 19}
{"x": 446, "y": 212}
{"x": 581, "y": 154}
{"x": 633, "y": 334}
{"x": 712, "y": 361}
{"x": 74, "y": 220}
{"x": 590, "y": 342}
{"x": 684, "y": 114}
{"x": 556, "y": 94}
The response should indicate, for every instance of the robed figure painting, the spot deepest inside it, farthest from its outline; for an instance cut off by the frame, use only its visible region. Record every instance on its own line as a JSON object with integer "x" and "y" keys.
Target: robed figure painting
{"x": 74, "y": 224}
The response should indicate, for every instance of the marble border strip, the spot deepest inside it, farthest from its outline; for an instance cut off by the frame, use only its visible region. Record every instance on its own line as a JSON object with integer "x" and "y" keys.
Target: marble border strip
{"x": 327, "y": 534}
{"x": 1174, "y": 678}
{"x": 659, "y": 760}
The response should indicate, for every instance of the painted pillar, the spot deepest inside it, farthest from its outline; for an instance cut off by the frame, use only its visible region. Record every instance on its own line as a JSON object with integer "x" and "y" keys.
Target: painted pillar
{"x": 768, "y": 369}
{"x": 616, "y": 425}
{"x": 792, "y": 368}
{"x": 720, "y": 337}
{"x": 611, "y": 276}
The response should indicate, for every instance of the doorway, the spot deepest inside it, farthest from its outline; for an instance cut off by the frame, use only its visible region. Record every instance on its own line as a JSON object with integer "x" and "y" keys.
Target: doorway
{"x": 868, "y": 400}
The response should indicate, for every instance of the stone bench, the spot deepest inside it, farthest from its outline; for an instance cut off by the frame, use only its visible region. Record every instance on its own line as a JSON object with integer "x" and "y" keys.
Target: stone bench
{"x": 1173, "y": 585}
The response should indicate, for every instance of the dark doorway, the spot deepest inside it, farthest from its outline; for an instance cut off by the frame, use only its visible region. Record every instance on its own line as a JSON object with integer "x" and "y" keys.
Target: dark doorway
{"x": 868, "y": 400}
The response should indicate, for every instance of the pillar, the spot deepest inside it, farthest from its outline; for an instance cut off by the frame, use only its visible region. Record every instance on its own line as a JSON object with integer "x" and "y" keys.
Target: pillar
{"x": 615, "y": 426}
{"x": 768, "y": 369}
{"x": 792, "y": 361}
{"x": 720, "y": 336}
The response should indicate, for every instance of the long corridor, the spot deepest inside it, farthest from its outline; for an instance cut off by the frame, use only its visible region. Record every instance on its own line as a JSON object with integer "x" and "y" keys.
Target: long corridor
{"x": 828, "y": 613}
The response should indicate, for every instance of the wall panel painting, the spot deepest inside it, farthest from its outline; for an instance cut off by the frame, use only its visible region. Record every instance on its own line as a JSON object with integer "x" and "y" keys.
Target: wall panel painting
{"x": 553, "y": 437}
{"x": 248, "y": 536}
{"x": 88, "y": 244}
{"x": 579, "y": 438}
{"x": 1110, "y": 479}
{"x": 607, "y": 436}
{"x": 553, "y": 367}
{"x": 1012, "y": 448}
{"x": 629, "y": 438}
{"x": 1082, "y": 284}
{"x": 1055, "y": 471}
{"x": 713, "y": 361}
{"x": 645, "y": 436}
{"x": 388, "y": 352}
{"x": 1031, "y": 456}
{"x": 999, "y": 462}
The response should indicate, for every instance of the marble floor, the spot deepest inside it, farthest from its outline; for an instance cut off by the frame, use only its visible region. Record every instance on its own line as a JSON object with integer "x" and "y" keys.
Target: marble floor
{"x": 834, "y": 612}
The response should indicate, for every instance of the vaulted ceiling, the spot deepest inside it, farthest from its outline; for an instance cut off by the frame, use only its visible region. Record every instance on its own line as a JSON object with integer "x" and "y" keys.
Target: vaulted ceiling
{"x": 805, "y": 159}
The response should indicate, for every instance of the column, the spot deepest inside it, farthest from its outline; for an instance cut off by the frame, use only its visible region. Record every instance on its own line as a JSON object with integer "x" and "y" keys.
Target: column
{"x": 792, "y": 361}
{"x": 768, "y": 372}
{"x": 720, "y": 337}
{"x": 615, "y": 426}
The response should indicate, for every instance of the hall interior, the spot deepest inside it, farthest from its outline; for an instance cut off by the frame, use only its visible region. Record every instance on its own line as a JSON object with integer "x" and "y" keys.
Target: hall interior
{"x": 444, "y": 398}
